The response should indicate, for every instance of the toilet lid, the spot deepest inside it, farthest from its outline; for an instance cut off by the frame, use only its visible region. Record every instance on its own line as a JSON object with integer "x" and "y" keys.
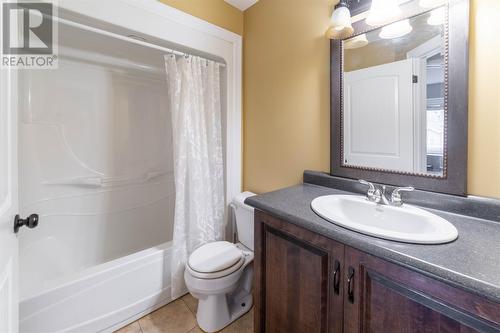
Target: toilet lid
{"x": 214, "y": 257}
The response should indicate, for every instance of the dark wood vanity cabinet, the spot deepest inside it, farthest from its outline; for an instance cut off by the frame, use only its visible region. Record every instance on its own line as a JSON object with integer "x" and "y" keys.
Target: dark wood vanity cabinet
{"x": 298, "y": 285}
{"x": 384, "y": 297}
{"x": 306, "y": 283}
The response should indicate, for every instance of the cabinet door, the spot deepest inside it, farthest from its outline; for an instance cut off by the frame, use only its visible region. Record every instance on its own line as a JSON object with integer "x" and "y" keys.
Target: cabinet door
{"x": 297, "y": 279}
{"x": 384, "y": 297}
{"x": 380, "y": 98}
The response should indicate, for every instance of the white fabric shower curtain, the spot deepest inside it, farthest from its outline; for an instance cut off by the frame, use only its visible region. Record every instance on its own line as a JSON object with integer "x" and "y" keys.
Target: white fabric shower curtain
{"x": 195, "y": 102}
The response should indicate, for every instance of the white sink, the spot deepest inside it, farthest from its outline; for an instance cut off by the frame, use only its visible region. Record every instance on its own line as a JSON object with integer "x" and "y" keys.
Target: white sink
{"x": 407, "y": 223}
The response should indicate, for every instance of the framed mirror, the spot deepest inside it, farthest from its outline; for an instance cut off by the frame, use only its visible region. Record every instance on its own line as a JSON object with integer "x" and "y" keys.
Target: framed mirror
{"x": 399, "y": 98}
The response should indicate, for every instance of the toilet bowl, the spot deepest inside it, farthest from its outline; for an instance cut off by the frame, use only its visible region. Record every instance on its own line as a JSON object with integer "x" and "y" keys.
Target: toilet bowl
{"x": 220, "y": 274}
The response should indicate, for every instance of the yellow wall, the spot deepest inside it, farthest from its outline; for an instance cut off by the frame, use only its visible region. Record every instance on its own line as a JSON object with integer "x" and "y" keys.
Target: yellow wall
{"x": 217, "y": 12}
{"x": 484, "y": 95}
{"x": 286, "y": 94}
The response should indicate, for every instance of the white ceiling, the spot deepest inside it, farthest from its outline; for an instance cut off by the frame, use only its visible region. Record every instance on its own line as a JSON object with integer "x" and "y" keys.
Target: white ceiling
{"x": 241, "y": 4}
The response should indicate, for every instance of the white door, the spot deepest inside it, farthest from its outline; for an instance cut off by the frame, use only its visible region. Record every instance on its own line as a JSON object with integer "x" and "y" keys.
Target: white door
{"x": 378, "y": 117}
{"x": 8, "y": 202}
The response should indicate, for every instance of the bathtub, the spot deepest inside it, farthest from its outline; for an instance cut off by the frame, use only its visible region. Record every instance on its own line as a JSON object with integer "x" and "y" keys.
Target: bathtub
{"x": 95, "y": 145}
{"x": 102, "y": 298}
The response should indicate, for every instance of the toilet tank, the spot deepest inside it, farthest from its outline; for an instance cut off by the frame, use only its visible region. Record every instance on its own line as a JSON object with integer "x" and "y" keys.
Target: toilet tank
{"x": 244, "y": 219}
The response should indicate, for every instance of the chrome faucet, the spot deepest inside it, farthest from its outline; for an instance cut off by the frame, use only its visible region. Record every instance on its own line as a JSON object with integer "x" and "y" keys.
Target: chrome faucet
{"x": 378, "y": 196}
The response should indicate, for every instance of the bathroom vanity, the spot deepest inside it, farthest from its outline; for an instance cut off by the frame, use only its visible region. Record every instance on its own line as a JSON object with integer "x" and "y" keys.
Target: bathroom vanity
{"x": 398, "y": 116}
{"x": 314, "y": 276}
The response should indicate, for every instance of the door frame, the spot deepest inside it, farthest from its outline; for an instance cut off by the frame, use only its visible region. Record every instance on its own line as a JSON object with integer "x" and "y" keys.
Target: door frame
{"x": 420, "y": 54}
{"x": 10, "y": 206}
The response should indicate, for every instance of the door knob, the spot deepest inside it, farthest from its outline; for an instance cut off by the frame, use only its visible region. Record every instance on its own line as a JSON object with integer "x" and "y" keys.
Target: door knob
{"x": 31, "y": 222}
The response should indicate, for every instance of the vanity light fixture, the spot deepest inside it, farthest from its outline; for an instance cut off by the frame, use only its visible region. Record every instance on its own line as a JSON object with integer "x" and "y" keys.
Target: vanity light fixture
{"x": 356, "y": 42}
{"x": 396, "y": 30}
{"x": 382, "y": 12}
{"x": 437, "y": 16}
{"x": 340, "y": 21}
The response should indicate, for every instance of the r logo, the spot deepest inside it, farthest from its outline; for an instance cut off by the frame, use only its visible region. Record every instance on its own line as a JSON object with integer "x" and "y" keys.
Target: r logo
{"x": 27, "y": 28}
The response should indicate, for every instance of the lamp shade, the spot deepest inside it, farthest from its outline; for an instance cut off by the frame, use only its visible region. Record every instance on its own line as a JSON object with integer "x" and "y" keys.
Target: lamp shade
{"x": 356, "y": 42}
{"x": 382, "y": 12}
{"x": 340, "y": 23}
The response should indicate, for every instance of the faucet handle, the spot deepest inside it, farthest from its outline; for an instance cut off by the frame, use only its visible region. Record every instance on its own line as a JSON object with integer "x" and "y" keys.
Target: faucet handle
{"x": 371, "y": 190}
{"x": 373, "y": 194}
{"x": 396, "y": 199}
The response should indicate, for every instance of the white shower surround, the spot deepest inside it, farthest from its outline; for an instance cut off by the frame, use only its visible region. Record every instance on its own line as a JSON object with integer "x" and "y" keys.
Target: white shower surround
{"x": 162, "y": 24}
{"x": 150, "y": 17}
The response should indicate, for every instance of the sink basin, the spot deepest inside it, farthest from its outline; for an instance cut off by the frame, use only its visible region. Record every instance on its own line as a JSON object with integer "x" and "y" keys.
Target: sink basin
{"x": 407, "y": 223}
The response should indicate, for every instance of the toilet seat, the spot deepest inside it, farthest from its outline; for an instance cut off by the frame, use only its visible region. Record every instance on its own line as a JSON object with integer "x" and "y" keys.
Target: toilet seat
{"x": 215, "y": 260}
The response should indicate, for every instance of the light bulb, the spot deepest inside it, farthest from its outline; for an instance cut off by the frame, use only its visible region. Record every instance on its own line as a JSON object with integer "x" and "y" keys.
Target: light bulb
{"x": 396, "y": 30}
{"x": 382, "y": 12}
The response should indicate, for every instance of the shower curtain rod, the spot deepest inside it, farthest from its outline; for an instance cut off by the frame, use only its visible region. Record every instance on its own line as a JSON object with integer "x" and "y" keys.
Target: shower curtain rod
{"x": 129, "y": 39}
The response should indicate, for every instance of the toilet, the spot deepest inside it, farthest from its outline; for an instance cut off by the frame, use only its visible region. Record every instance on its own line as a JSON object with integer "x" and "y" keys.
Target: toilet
{"x": 220, "y": 275}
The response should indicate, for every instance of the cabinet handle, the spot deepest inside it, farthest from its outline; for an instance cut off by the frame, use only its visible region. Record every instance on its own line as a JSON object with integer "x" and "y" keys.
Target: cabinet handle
{"x": 350, "y": 285}
{"x": 336, "y": 277}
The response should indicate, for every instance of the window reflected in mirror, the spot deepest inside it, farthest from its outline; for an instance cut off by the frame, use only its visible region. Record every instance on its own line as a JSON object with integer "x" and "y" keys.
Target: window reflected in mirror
{"x": 393, "y": 111}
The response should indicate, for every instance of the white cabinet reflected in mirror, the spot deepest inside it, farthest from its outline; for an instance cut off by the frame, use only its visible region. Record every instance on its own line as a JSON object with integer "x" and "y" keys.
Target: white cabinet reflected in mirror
{"x": 394, "y": 110}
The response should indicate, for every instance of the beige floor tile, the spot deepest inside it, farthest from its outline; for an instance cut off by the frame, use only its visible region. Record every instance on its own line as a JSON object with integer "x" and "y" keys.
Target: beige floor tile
{"x": 172, "y": 318}
{"x": 130, "y": 328}
{"x": 242, "y": 325}
{"x": 191, "y": 302}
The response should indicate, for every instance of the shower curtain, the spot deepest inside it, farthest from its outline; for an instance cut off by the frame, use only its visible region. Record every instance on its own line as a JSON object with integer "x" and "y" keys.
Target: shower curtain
{"x": 195, "y": 106}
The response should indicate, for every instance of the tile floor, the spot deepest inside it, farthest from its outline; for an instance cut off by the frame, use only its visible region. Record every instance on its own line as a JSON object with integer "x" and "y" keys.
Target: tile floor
{"x": 180, "y": 317}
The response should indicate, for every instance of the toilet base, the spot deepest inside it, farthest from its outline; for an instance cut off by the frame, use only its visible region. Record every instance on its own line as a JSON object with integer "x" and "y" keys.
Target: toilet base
{"x": 216, "y": 311}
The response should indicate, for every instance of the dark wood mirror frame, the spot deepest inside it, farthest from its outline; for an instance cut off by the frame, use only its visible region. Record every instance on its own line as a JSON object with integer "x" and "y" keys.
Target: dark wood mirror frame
{"x": 454, "y": 180}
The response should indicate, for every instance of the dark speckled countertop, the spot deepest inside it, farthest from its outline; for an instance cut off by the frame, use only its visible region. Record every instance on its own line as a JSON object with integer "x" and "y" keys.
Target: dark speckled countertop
{"x": 472, "y": 262}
